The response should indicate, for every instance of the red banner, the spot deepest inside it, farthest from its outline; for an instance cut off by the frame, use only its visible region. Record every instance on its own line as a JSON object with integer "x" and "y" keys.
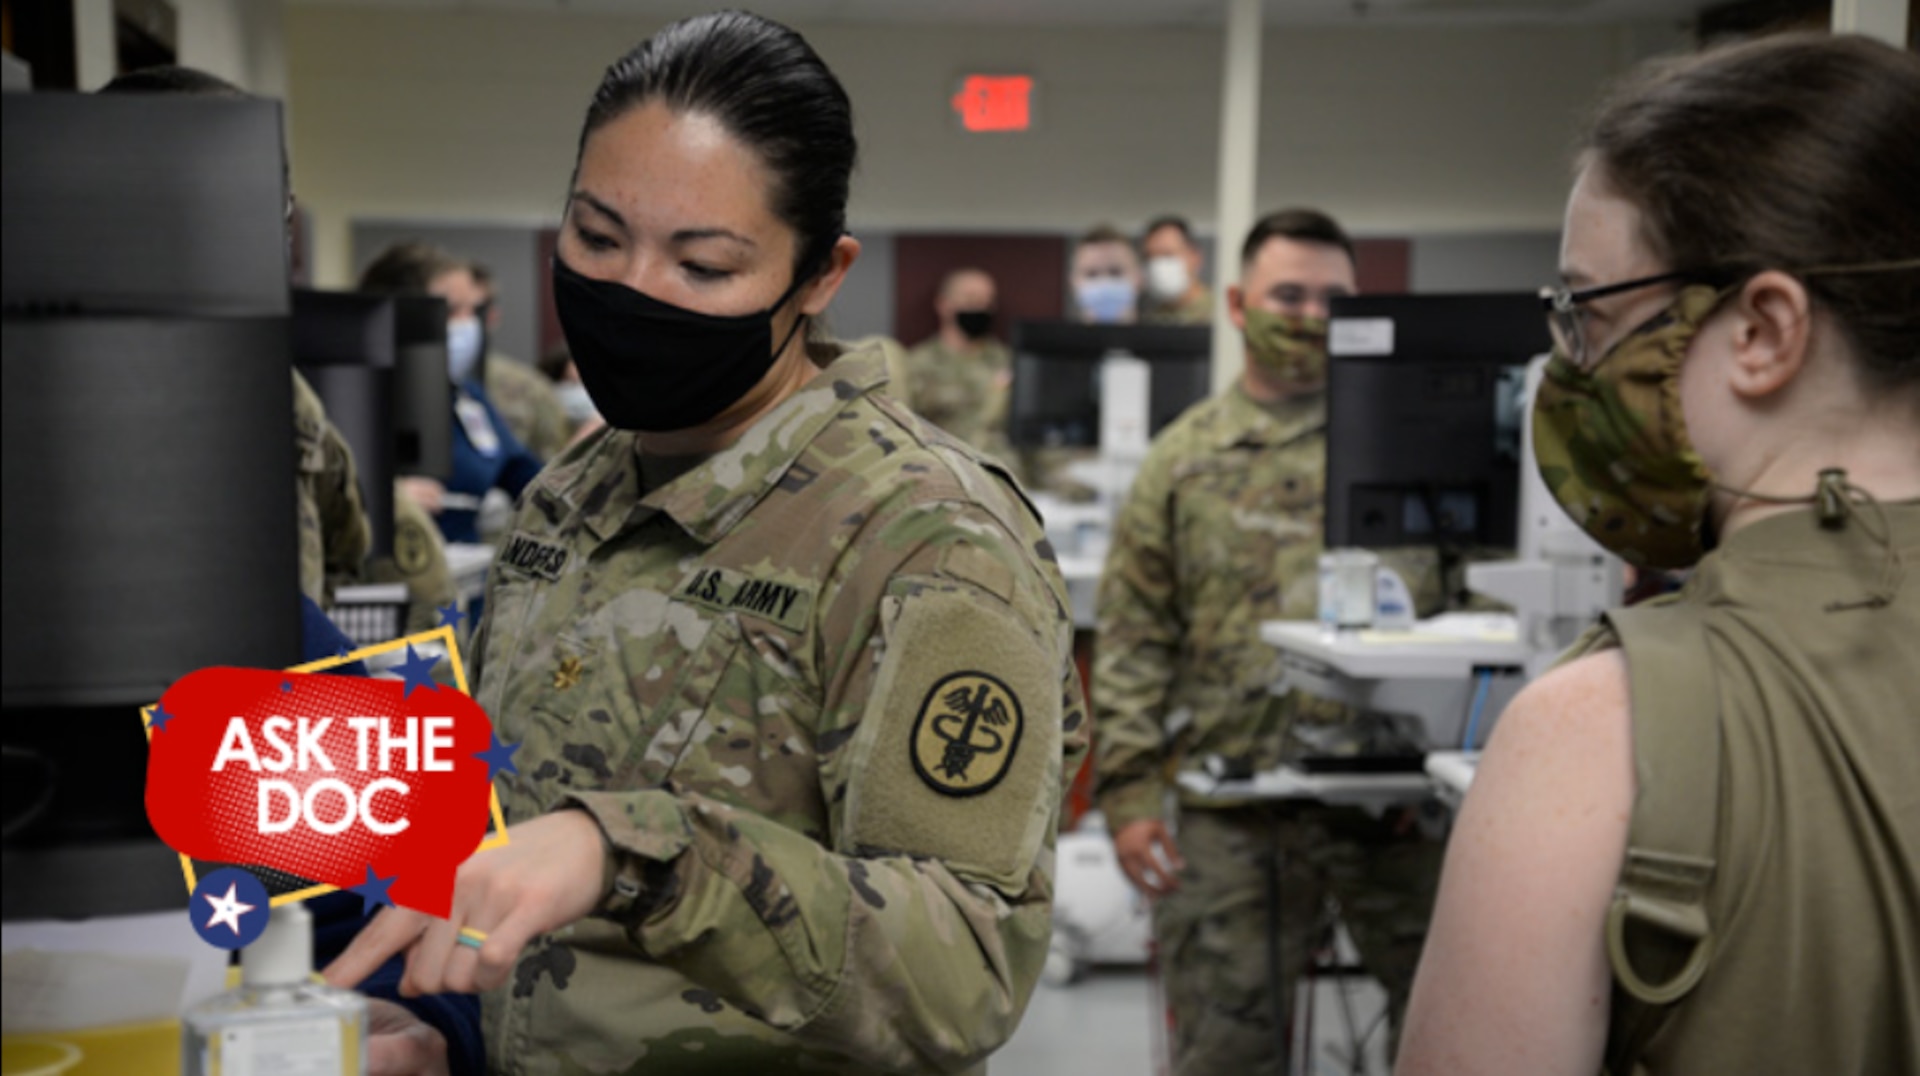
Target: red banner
{"x": 325, "y": 777}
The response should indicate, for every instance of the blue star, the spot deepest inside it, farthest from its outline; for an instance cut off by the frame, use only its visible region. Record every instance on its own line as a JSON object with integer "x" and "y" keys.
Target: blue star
{"x": 498, "y": 757}
{"x": 286, "y": 685}
{"x": 373, "y": 891}
{"x": 451, "y": 616}
{"x": 344, "y": 651}
{"x": 158, "y": 720}
{"x": 417, "y": 671}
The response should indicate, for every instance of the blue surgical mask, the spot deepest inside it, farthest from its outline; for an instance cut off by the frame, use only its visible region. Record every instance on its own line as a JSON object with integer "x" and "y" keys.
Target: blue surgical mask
{"x": 466, "y": 340}
{"x": 1105, "y": 299}
{"x": 575, "y": 401}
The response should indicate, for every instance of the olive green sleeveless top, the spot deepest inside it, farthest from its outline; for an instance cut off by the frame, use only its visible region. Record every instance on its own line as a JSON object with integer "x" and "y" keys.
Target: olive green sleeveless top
{"x": 1768, "y": 916}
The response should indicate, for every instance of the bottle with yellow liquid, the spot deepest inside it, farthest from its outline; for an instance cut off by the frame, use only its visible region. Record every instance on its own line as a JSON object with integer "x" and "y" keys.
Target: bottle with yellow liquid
{"x": 280, "y": 1020}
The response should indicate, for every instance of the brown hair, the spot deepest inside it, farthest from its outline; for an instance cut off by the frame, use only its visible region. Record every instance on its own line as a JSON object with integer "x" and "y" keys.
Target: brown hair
{"x": 1795, "y": 153}
{"x": 1299, "y": 225}
{"x": 1103, "y": 233}
{"x": 409, "y": 269}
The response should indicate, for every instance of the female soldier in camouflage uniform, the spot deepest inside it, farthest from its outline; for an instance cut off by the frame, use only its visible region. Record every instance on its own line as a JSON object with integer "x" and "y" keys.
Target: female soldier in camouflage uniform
{"x": 1710, "y": 816}
{"x": 789, "y": 669}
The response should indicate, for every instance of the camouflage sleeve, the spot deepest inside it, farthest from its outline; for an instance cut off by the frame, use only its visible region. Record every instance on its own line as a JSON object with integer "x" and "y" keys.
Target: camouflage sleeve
{"x": 334, "y": 532}
{"x": 1140, "y": 628}
{"x": 549, "y": 431}
{"x": 346, "y": 532}
{"x": 908, "y": 937}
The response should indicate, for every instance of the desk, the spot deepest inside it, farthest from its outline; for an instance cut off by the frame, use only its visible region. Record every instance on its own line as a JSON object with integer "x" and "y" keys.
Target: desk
{"x": 1082, "y": 575}
{"x": 1429, "y": 672}
{"x": 1452, "y": 773}
{"x": 1374, "y": 791}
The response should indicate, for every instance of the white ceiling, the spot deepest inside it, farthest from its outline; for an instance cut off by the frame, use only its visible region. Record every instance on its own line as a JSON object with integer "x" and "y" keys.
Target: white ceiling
{"x": 1130, "y": 13}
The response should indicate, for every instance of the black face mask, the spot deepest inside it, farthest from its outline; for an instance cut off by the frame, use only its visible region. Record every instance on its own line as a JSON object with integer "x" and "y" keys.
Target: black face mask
{"x": 653, "y": 366}
{"x": 976, "y": 324}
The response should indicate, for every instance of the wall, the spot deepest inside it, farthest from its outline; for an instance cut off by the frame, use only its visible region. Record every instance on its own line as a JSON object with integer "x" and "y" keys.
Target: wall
{"x": 471, "y": 116}
{"x": 1518, "y": 261}
{"x": 242, "y": 41}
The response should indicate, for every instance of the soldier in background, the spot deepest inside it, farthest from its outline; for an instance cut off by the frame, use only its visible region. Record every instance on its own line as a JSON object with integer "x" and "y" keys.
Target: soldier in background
{"x": 1222, "y": 531}
{"x": 1105, "y": 274}
{"x": 958, "y": 378}
{"x": 334, "y": 532}
{"x": 1175, "y": 293}
{"x": 525, "y": 400}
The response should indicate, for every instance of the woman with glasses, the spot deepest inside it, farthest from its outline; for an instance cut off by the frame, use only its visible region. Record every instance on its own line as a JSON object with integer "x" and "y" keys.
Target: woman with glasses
{"x": 1694, "y": 847}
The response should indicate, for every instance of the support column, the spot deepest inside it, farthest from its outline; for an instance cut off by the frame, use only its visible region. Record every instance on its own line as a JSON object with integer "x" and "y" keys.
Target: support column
{"x": 1884, "y": 19}
{"x": 1239, "y": 165}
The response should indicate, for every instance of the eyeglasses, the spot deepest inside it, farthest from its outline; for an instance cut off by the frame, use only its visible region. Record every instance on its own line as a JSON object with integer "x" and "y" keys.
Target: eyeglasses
{"x": 1567, "y": 319}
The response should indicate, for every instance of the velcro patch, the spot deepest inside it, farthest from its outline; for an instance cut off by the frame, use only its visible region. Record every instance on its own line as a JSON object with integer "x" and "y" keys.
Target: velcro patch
{"x": 532, "y": 556}
{"x": 725, "y": 590}
{"x": 957, "y": 755}
{"x": 412, "y": 548}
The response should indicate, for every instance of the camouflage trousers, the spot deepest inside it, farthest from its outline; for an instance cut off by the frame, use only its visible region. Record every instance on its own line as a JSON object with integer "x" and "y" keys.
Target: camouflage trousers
{"x": 1216, "y": 931}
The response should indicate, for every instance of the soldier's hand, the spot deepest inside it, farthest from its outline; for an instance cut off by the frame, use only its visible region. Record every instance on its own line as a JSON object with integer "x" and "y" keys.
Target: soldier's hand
{"x": 428, "y": 493}
{"x": 401, "y": 1044}
{"x": 1149, "y": 857}
{"x": 549, "y": 874}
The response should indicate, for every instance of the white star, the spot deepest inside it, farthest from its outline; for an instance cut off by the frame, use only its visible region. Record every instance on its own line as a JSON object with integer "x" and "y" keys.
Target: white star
{"x": 228, "y": 909}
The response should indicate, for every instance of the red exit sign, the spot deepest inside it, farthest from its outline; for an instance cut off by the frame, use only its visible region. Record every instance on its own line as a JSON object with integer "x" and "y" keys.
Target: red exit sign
{"x": 995, "y": 102}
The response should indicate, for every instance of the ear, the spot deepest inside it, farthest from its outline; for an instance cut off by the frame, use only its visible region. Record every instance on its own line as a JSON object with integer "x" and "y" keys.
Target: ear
{"x": 1235, "y": 312}
{"x": 1772, "y": 325}
{"x": 820, "y": 293}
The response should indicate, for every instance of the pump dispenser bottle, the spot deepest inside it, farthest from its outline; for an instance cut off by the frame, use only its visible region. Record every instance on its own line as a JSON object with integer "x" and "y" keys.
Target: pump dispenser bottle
{"x": 280, "y": 1021}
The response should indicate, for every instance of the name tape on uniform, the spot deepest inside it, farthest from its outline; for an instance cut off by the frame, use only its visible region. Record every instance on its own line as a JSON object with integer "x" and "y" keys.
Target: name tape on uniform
{"x": 534, "y": 557}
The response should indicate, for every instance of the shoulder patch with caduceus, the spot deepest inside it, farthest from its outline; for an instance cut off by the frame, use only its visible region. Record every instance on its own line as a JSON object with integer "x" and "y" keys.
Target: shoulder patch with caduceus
{"x": 966, "y": 734}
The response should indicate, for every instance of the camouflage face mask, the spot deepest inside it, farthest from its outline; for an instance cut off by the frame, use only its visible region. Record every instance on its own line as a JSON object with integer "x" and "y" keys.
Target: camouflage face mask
{"x": 1612, "y": 444}
{"x": 1291, "y": 346}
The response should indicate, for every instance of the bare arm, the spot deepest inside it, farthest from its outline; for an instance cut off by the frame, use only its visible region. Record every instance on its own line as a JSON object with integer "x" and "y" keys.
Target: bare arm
{"x": 1515, "y": 976}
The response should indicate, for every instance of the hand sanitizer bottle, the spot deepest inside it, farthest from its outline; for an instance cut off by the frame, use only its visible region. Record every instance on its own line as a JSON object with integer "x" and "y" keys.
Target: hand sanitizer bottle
{"x": 280, "y": 1021}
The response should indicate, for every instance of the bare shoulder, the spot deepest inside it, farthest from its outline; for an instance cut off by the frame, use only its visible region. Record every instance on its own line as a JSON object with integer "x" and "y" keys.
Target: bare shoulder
{"x": 1568, "y": 734}
{"x": 1585, "y": 697}
{"x": 1514, "y": 976}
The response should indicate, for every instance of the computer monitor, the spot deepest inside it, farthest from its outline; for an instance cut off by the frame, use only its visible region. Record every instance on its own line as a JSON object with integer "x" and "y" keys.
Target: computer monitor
{"x": 422, "y": 393}
{"x": 1056, "y": 376}
{"x": 159, "y": 204}
{"x": 343, "y": 344}
{"x": 1424, "y": 405}
{"x": 148, "y": 517}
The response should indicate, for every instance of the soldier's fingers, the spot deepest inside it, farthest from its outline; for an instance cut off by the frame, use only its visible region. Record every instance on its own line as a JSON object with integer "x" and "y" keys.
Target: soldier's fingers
{"x": 1169, "y": 853}
{"x": 427, "y": 960}
{"x": 496, "y": 958}
{"x": 1140, "y": 871}
{"x": 389, "y": 932}
{"x": 459, "y": 975}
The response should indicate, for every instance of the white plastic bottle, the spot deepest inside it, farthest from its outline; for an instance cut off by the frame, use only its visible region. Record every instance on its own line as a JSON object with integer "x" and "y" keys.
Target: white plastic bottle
{"x": 280, "y": 1021}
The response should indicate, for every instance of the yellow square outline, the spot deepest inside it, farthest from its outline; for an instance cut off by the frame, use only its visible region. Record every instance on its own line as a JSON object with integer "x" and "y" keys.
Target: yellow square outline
{"x": 444, "y": 635}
